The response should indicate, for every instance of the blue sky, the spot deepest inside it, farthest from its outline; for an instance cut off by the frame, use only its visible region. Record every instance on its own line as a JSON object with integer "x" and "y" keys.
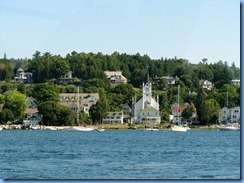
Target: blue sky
{"x": 190, "y": 29}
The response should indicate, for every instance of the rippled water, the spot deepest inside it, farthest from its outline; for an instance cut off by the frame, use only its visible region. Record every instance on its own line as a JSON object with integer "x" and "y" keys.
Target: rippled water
{"x": 119, "y": 154}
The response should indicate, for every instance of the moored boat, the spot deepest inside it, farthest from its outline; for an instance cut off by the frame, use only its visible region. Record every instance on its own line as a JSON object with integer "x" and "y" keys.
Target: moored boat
{"x": 151, "y": 129}
{"x": 82, "y": 128}
{"x": 229, "y": 127}
{"x": 177, "y": 128}
{"x": 51, "y": 128}
{"x": 100, "y": 129}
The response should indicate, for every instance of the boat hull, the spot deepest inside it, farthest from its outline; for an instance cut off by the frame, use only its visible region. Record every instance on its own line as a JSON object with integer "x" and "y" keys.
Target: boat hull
{"x": 100, "y": 130}
{"x": 84, "y": 129}
{"x": 228, "y": 128}
{"x": 178, "y": 129}
{"x": 151, "y": 129}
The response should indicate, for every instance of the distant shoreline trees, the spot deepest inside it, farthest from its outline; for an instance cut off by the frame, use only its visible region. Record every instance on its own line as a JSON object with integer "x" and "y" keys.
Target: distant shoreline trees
{"x": 89, "y": 69}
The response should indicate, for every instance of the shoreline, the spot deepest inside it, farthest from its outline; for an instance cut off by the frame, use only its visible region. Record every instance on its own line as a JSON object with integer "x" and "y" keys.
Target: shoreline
{"x": 109, "y": 127}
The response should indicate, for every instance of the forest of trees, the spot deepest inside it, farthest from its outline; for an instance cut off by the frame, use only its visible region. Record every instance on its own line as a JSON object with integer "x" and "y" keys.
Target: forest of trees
{"x": 89, "y": 69}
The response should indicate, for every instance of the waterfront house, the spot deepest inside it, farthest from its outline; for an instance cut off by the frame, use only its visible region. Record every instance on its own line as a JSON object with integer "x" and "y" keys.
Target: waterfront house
{"x": 113, "y": 118}
{"x": 86, "y": 100}
{"x": 177, "y": 111}
{"x": 235, "y": 115}
{"x": 115, "y": 77}
{"x": 227, "y": 115}
{"x": 224, "y": 116}
{"x": 146, "y": 110}
{"x": 32, "y": 116}
{"x": 206, "y": 84}
{"x": 22, "y": 76}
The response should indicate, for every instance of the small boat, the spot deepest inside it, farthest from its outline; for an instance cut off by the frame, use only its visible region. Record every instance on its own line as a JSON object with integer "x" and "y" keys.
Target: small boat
{"x": 177, "y": 125}
{"x": 1, "y": 128}
{"x": 100, "y": 129}
{"x": 35, "y": 127}
{"x": 51, "y": 128}
{"x": 151, "y": 129}
{"x": 229, "y": 127}
{"x": 82, "y": 128}
{"x": 177, "y": 128}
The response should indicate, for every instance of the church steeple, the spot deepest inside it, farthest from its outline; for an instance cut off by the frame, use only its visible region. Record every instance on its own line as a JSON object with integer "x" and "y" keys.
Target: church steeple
{"x": 147, "y": 77}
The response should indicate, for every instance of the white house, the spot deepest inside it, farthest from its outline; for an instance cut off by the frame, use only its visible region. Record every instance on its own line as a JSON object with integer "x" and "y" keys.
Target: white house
{"x": 147, "y": 108}
{"x": 235, "y": 115}
{"x": 206, "y": 84}
{"x": 115, "y": 77}
{"x": 224, "y": 116}
{"x": 227, "y": 115}
{"x": 114, "y": 118}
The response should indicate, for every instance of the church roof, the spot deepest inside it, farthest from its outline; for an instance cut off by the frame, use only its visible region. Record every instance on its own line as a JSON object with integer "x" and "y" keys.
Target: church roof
{"x": 149, "y": 109}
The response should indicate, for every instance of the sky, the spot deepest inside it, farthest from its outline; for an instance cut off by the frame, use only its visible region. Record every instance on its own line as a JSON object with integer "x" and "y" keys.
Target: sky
{"x": 189, "y": 29}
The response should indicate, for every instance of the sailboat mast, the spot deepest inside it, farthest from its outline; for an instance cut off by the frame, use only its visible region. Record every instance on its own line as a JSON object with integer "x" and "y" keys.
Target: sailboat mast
{"x": 227, "y": 97}
{"x": 178, "y": 98}
{"x": 78, "y": 106}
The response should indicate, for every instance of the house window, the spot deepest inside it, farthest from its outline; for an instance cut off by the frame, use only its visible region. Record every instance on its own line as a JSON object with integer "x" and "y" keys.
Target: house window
{"x": 234, "y": 116}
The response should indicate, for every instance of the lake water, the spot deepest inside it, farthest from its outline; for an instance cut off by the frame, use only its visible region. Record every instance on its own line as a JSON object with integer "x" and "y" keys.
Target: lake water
{"x": 119, "y": 154}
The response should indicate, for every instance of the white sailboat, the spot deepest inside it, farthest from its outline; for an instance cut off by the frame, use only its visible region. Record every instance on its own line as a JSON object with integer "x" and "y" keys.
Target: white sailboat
{"x": 80, "y": 128}
{"x": 177, "y": 126}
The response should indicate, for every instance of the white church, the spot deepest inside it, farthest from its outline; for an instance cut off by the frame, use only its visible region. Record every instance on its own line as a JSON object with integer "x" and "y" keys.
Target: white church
{"x": 146, "y": 110}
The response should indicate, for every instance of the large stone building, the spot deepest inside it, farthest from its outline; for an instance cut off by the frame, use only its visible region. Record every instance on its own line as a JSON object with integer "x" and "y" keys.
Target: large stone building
{"x": 146, "y": 110}
{"x": 86, "y": 100}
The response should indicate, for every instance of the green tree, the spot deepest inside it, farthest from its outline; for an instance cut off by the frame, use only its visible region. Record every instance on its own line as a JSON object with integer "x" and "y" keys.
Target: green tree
{"x": 55, "y": 114}
{"x": 99, "y": 110}
{"x": 187, "y": 113}
{"x": 58, "y": 67}
{"x": 16, "y": 102}
{"x": 45, "y": 91}
{"x": 186, "y": 79}
{"x": 21, "y": 88}
{"x": 210, "y": 111}
{"x": 116, "y": 101}
{"x": 126, "y": 90}
{"x": 6, "y": 115}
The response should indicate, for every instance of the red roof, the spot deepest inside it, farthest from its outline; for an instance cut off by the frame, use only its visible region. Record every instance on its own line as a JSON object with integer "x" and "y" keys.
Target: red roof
{"x": 182, "y": 108}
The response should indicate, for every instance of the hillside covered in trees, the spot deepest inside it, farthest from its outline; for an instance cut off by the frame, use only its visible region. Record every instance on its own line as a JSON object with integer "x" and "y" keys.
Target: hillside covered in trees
{"x": 89, "y": 69}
